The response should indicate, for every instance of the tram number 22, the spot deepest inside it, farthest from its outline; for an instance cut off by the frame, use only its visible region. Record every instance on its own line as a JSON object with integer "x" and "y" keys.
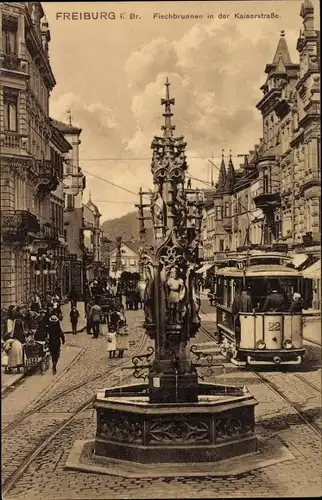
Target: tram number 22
{"x": 274, "y": 326}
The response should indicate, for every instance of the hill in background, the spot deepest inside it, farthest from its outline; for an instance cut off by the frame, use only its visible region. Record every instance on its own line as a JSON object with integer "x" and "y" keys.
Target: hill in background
{"x": 127, "y": 226}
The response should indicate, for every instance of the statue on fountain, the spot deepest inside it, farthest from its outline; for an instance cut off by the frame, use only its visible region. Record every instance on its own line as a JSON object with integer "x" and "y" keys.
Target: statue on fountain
{"x": 176, "y": 295}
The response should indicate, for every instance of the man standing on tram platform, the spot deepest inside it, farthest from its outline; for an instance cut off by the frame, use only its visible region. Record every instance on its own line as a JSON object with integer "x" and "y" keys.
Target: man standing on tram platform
{"x": 274, "y": 301}
{"x": 242, "y": 302}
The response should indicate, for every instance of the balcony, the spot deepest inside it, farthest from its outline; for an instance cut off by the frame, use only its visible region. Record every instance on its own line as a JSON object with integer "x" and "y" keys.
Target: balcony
{"x": 47, "y": 179}
{"x": 17, "y": 225}
{"x": 12, "y": 62}
{"x": 49, "y": 232}
{"x": 267, "y": 198}
{"x": 311, "y": 179}
{"x": 13, "y": 140}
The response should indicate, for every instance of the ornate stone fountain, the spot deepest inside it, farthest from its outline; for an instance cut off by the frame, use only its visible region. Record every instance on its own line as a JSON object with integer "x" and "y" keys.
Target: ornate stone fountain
{"x": 172, "y": 424}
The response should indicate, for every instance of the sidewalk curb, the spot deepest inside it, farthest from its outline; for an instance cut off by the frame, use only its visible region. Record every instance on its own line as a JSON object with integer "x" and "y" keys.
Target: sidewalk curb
{"x": 11, "y": 386}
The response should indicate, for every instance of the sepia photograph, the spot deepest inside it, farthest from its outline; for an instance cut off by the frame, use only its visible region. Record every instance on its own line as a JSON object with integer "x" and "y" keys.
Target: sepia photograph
{"x": 160, "y": 191}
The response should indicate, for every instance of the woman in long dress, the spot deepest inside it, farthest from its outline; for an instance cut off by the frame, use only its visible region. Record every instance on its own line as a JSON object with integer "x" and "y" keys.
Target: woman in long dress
{"x": 14, "y": 347}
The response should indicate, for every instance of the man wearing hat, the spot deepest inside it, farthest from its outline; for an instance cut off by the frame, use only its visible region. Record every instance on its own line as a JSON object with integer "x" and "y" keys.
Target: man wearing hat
{"x": 275, "y": 301}
{"x": 55, "y": 339}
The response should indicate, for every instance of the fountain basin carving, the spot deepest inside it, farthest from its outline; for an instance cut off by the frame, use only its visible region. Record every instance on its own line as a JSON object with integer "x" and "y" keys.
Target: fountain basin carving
{"x": 219, "y": 426}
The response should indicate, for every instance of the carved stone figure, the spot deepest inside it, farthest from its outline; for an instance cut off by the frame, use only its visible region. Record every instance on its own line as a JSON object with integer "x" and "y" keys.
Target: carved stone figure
{"x": 176, "y": 296}
{"x": 149, "y": 298}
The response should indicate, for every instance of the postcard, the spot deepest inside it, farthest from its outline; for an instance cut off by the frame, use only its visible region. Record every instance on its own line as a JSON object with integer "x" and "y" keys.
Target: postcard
{"x": 160, "y": 249}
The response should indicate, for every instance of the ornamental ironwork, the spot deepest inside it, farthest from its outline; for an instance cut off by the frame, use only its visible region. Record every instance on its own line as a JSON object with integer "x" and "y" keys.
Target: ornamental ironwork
{"x": 17, "y": 224}
{"x": 205, "y": 363}
{"x": 141, "y": 364}
{"x": 47, "y": 179}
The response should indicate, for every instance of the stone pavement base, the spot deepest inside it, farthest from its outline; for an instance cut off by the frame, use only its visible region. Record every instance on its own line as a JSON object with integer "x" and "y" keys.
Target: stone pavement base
{"x": 270, "y": 452}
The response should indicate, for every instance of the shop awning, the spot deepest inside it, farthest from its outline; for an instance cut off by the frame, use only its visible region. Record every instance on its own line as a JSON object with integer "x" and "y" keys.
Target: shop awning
{"x": 299, "y": 259}
{"x": 313, "y": 271}
{"x": 204, "y": 268}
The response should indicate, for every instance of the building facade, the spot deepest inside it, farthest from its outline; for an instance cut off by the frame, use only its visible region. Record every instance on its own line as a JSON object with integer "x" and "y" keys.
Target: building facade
{"x": 274, "y": 197}
{"x": 32, "y": 153}
{"x": 92, "y": 240}
{"x": 129, "y": 258}
{"x": 74, "y": 186}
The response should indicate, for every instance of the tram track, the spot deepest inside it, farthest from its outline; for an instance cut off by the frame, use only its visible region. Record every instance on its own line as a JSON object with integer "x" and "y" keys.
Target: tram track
{"x": 41, "y": 406}
{"x": 315, "y": 428}
{"x": 264, "y": 379}
{"x": 11, "y": 480}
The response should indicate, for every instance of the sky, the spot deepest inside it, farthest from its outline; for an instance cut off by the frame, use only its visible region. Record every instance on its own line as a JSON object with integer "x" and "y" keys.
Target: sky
{"x": 111, "y": 75}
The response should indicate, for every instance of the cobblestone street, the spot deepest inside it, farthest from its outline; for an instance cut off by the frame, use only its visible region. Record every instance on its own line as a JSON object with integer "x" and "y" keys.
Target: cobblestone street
{"x": 289, "y": 407}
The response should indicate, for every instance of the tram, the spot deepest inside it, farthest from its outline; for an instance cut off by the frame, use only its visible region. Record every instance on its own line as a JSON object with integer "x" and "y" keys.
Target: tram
{"x": 258, "y": 337}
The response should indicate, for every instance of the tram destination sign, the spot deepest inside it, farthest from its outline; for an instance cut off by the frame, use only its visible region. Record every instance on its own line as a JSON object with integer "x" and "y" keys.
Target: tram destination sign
{"x": 240, "y": 265}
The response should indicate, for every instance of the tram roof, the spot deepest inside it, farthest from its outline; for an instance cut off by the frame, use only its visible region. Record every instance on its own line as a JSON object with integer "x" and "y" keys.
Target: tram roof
{"x": 260, "y": 271}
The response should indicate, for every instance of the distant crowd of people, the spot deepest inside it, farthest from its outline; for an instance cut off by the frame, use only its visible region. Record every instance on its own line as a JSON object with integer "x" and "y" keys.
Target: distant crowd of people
{"x": 40, "y": 322}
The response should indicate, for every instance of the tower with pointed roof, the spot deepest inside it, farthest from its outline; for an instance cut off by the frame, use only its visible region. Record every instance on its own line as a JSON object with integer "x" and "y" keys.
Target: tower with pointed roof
{"x": 276, "y": 105}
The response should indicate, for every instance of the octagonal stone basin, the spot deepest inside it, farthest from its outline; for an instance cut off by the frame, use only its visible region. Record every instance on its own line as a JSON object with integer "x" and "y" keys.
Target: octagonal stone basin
{"x": 219, "y": 426}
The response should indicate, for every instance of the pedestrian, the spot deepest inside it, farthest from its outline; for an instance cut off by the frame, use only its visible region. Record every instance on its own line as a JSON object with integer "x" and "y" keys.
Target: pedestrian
{"x": 74, "y": 315}
{"x": 122, "y": 335}
{"x": 96, "y": 317}
{"x": 14, "y": 350}
{"x": 35, "y": 302}
{"x": 10, "y": 318}
{"x": 297, "y": 304}
{"x": 275, "y": 301}
{"x": 42, "y": 328}
{"x": 13, "y": 346}
{"x": 88, "y": 317}
{"x": 111, "y": 342}
{"x": 55, "y": 339}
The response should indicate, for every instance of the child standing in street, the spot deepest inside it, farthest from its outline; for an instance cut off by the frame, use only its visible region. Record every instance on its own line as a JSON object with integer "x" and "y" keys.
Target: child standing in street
{"x": 74, "y": 315}
{"x": 111, "y": 343}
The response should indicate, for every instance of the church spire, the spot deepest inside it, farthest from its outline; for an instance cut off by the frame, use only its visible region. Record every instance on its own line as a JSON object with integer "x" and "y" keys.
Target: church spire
{"x": 222, "y": 173}
{"x": 282, "y": 51}
{"x": 167, "y": 128}
{"x": 230, "y": 178}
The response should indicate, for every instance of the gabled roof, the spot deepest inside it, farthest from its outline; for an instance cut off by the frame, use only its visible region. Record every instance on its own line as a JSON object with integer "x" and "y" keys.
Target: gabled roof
{"x": 132, "y": 245}
{"x": 93, "y": 207}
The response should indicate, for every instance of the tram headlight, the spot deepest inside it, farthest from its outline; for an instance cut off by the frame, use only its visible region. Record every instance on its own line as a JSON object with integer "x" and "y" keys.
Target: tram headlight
{"x": 287, "y": 344}
{"x": 261, "y": 344}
